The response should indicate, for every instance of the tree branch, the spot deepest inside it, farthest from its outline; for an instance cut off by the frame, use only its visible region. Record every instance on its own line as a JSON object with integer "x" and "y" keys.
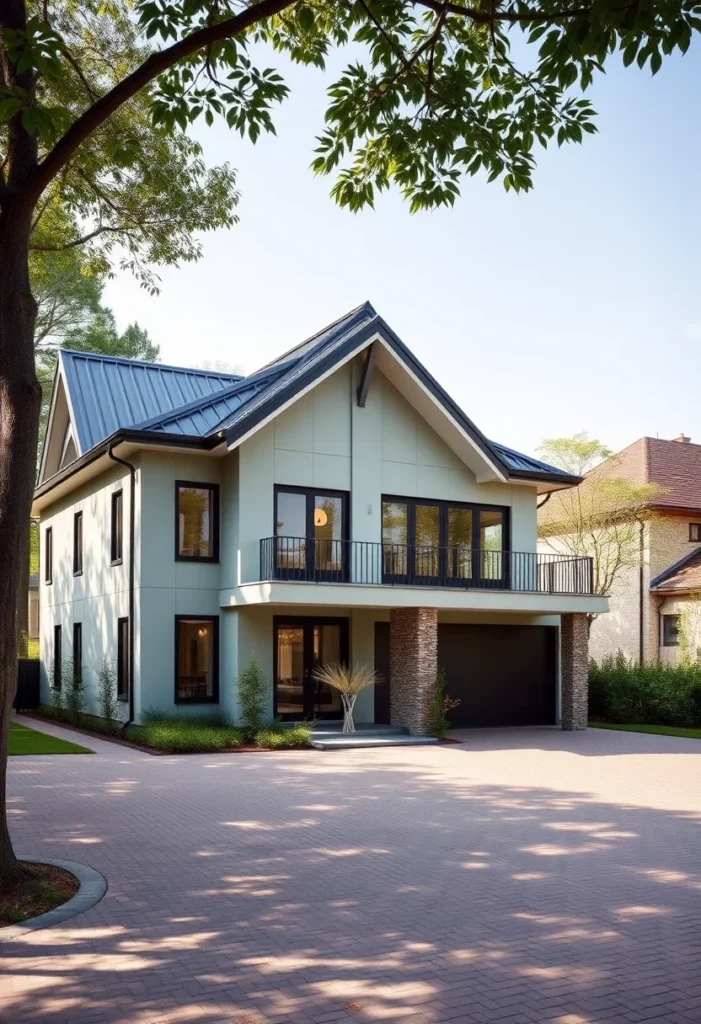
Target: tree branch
{"x": 152, "y": 67}
{"x": 79, "y": 241}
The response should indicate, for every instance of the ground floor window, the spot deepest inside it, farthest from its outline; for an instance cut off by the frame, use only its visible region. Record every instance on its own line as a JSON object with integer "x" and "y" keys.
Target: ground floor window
{"x": 56, "y": 681}
{"x": 77, "y": 653}
{"x": 670, "y": 630}
{"x": 300, "y": 645}
{"x": 123, "y": 659}
{"x": 196, "y": 659}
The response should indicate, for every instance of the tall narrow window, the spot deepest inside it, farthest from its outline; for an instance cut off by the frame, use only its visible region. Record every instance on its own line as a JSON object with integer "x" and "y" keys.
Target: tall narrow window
{"x": 48, "y": 555}
{"x": 56, "y": 681}
{"x": 196, "y": 521}
{"x": 78, "y": 544}
{"x": 77, "y": 653}
{"x": 122, "y": 659}
{"x": 311, "y": 534}
{"x": 116, "y": 532}
{"x": 196, "y": 660}
{"x": 491, "y": 543}
{"x": 670, "y": 630}
{"x": 395, "y": 537}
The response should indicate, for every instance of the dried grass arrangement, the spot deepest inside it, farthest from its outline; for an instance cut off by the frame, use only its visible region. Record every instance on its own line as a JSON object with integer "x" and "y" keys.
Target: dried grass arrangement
{"x": 349, "y": 680}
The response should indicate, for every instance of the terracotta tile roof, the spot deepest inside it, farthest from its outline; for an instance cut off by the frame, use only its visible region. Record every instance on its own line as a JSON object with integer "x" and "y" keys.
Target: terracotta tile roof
{"x": 674, "y": 465}
{"x": 684, "y": 575}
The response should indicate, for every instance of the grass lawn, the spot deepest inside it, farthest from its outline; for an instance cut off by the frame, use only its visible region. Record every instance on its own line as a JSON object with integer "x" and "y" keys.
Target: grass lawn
{"x": 29, "y": 741}
{"x": 660, "y": 730}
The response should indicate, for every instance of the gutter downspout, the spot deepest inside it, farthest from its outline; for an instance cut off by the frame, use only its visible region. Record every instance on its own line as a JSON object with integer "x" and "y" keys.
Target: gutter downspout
{"x": 641, "y": 609}
{"x": 132, "y": 474}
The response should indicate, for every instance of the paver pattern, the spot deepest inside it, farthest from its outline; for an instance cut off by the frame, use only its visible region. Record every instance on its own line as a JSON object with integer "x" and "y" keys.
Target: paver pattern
{"x": 520, "y": 876}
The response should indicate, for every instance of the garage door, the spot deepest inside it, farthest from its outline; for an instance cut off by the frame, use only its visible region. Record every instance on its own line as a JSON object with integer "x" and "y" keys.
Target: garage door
{"x": 502, "y": 675}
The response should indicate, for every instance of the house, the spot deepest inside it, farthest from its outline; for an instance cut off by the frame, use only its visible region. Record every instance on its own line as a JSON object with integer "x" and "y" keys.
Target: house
{"x": 336, "y": 504}
{"x": 655, "y": 599}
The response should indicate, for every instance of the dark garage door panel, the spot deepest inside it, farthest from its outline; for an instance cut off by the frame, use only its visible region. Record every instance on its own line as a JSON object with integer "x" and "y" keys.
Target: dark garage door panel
{"x": 502, "y": 675}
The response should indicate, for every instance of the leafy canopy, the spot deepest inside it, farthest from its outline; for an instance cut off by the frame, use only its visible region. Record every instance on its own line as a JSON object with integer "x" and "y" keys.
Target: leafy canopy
{"x": 434, "y": 90}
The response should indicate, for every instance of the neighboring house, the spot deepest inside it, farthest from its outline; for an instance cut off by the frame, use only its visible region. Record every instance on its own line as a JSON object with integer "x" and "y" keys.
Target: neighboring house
{"x": 335, "y": 505}
{"x": 655, "y": 601}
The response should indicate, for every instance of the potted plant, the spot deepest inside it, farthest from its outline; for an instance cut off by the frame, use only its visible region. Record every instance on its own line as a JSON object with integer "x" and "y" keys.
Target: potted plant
{"x": 349, "y": 680}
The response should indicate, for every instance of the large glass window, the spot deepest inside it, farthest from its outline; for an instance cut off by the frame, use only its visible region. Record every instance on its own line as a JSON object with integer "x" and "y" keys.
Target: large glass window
{"x": 117, "y": 528}
{"x": 123, "y": 659}
{"x": 78, "y": 544}
{"x": 197, "y": 660}
{"x": 197, "y": 507}
{"x": 310, "y": 534}
{"x": 459, "y": 554}
{"x": 443, "y": 542}
{"x": 395, "y": 537}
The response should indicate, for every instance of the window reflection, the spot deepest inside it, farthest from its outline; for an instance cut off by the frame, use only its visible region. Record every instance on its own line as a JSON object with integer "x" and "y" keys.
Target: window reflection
{"x": 460, "y": 543}
{"x": 395, "y": 530}
{"x": 491, "y": 544}
{"x": 427, "y": 533}
{"x": 328, "y": 533}
{"x": 196, "y": 521}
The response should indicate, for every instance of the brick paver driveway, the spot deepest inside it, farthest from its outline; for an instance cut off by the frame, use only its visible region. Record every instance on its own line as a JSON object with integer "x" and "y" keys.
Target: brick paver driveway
{"x": 519, "y": 876}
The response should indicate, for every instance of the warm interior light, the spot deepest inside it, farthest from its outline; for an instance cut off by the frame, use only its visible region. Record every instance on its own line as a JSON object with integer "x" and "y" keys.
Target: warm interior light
{"x": 320, "y": 517}
{"x": 202, "y": 631}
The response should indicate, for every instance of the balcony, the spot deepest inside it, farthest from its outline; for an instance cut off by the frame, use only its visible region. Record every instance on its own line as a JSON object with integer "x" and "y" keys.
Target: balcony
{"x": 361, "y": 562}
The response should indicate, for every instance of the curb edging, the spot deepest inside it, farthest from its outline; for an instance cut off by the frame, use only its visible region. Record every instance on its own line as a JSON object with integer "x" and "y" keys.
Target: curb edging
{"x": 92, "y": 888}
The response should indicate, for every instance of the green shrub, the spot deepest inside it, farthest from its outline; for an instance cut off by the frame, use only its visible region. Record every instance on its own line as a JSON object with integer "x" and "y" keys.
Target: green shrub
{"x": 626, "y": 692}
{"x": 176, "y": 733}
{"x": 282, "y": 738}
{"x": 74, "y": 700}
{"x": 107, "y": 693}
{"x": 252, "y": 699}
{"x": 438, "y": 704}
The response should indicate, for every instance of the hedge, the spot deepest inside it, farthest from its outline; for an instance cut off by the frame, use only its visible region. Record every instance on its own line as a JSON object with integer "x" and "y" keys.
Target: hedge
{"x": 626, "y": 692}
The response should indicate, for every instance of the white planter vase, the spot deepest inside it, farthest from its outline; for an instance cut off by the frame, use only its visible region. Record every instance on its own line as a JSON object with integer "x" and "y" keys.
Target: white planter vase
{"x": 349, "y": 700}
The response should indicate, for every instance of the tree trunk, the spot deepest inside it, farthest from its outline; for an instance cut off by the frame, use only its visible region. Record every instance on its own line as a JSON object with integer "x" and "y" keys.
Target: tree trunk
{"x": 20, "y": 401}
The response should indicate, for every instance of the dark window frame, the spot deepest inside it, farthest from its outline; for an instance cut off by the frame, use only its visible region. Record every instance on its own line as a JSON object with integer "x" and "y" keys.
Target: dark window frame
{"x": 77, "y": 652}
{"x": 78, "y": 543}
{"x": 123, "y": 658}
{"x": 57, "y": 680}
{"x": 214, "y": 622}
{"x": 117, "y": 528}
{"x": 49, "y": 555}
{"x": 666, "y": 640}
{"x": 411, "y": 577}
{"x": 695, "y": 528}
{"x": 310, "y": 572}
{"x": 202, "y": 485}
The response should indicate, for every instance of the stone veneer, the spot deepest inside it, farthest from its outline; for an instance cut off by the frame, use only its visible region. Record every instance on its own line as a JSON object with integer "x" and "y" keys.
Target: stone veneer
{"x": 413, "y": 664}
{"x": 574, "y": 670}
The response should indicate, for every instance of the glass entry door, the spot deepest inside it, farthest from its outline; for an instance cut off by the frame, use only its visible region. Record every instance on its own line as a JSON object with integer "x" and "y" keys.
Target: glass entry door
{"x": 300, "y": 645}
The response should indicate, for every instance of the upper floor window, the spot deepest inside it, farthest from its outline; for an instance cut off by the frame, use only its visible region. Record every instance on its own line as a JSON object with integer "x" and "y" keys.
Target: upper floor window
{"x": 670, "y": 630}
{"x": 48, "y": 555}
{"x": 78, "y": 544}
{"x": 196, "y": 659}
{"x": 440, "y": 541}
{"x": 196, "y": 521}
{"x": 695, "y": 532}
{"x": 311, "y": 533}
{"x": 116, "y": 528}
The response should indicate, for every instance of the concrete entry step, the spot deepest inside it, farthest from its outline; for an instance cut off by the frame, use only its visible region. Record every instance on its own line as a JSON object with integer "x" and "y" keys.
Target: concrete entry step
{"x": 324, "y": 729}
{"x": 356, "y": 740}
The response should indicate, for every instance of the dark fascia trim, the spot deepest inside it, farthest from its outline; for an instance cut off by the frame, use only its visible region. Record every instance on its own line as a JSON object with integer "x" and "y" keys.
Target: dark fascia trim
{"x": 554, "y": 478}
{"x": 661, "y": 577}
{"x": 339, "y": 352}
{"x": 143, "y": 437}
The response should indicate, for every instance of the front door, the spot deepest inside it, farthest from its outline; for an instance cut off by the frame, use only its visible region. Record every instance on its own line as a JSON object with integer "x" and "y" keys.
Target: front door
{"x": 300, "y": 645}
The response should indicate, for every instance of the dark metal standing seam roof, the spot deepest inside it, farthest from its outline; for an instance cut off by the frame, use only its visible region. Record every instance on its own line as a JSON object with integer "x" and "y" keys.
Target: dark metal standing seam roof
{"x": 107, "y": 393}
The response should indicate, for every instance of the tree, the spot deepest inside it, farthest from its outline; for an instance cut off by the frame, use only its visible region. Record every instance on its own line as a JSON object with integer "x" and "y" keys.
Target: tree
{"x": 436, "y": 96}
{"x": 602, "y": 517}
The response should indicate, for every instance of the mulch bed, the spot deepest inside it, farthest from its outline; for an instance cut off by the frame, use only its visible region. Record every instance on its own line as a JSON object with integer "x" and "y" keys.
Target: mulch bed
{"x": 48, "y": 888}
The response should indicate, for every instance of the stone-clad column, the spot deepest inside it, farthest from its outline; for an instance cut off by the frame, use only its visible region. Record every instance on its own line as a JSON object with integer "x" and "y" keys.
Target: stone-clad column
{"x": 574, "y": 670}
{"x": 413, "y": 664}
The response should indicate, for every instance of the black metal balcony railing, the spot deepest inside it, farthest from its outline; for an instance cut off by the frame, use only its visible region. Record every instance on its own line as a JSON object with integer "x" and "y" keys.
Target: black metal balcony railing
{"x": 340, "y": 561}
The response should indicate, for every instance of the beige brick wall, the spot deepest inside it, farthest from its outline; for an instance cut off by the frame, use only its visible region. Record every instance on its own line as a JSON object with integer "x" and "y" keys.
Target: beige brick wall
{"x": 688, "y": 606}
{"x": 669, "y": 541}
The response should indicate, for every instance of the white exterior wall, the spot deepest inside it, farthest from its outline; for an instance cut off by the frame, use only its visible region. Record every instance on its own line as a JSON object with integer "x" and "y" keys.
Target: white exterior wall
{"x": 99, "y": 597}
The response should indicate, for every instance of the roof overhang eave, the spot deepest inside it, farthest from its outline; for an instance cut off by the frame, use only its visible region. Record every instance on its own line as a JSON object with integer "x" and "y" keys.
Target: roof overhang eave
{"x": 122, "y": 442}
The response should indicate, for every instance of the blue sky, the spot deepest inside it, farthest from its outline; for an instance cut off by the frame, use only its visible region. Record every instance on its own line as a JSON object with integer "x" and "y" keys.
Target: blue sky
{"x": 574, "y": 307}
